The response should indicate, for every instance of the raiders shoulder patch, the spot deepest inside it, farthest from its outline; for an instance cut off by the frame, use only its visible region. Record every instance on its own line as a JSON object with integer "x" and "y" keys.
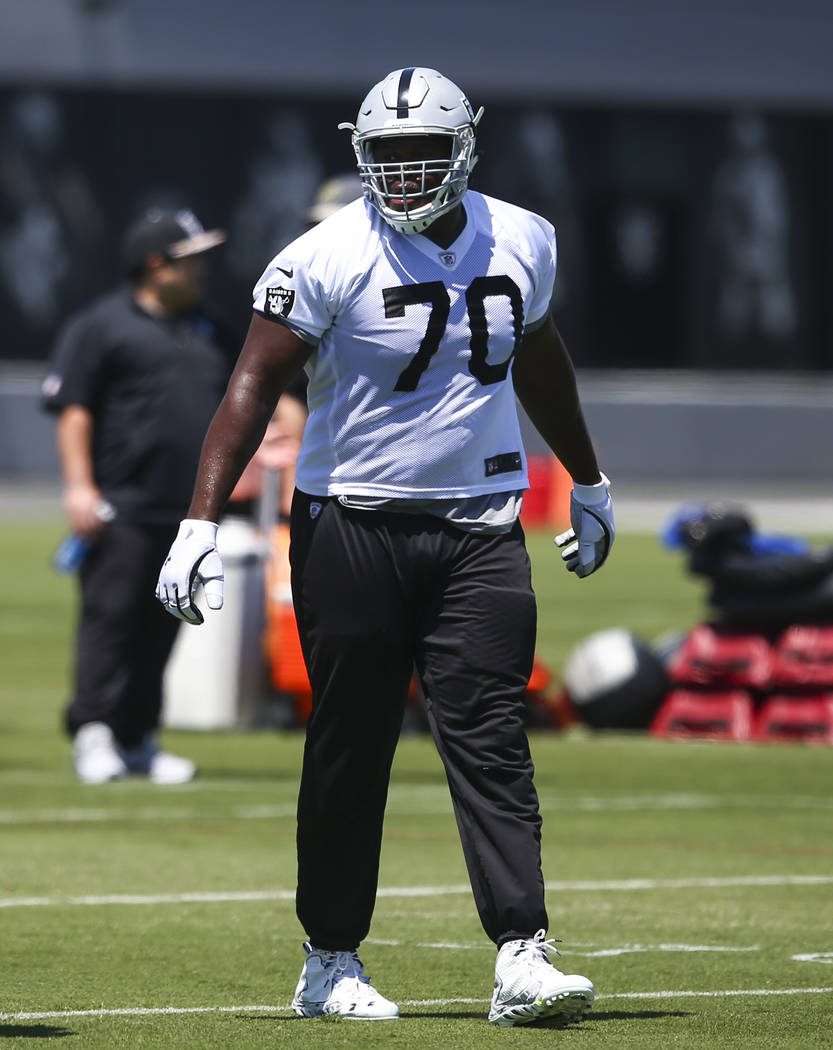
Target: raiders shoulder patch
{"x": 279, "y": 301}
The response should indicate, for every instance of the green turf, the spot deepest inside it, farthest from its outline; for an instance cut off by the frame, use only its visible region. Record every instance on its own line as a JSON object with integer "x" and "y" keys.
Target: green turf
{"x": 654, "y": 851}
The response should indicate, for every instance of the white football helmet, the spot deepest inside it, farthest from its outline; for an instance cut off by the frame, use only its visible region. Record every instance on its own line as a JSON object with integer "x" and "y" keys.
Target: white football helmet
{"x": 415, "y": 101}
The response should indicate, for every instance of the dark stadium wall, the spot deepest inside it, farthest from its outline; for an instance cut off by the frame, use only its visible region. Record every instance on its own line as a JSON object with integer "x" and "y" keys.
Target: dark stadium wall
{"x": 683, "y": 149}
{"x": 688, "y": 237}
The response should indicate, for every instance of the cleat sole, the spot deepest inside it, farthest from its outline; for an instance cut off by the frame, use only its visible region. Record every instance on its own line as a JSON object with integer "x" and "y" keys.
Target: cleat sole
{"x": 571, "y": 1006}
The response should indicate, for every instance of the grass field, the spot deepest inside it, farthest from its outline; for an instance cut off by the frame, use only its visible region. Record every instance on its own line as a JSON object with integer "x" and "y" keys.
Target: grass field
{"x": 692, "y": 882}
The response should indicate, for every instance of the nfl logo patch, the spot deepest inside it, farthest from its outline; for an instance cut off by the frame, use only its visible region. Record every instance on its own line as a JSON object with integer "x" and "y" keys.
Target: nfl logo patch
{"x": 279, "y": 301}
{"x": 448, "y": 258}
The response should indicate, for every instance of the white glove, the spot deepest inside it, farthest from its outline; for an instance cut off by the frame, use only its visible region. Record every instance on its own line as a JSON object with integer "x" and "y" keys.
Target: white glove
{"x": 192, "y": 559}
{"x": 585, "y": 546}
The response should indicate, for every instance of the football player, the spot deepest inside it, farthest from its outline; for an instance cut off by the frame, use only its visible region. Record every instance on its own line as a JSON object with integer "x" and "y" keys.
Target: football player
{"x": 419, "y": 312}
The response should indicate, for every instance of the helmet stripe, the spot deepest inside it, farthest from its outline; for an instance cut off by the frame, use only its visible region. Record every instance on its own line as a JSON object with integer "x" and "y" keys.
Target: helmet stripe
{"x": 404, "y": 92}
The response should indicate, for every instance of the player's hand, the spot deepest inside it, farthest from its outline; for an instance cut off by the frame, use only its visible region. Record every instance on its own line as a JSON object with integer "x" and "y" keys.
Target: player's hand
{"x": 585, "y": 546}
{"x": 192, "y": 559}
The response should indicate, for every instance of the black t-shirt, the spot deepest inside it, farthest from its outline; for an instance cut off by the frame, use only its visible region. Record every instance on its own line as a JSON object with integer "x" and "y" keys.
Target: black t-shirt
{"x": 152, "y": 386}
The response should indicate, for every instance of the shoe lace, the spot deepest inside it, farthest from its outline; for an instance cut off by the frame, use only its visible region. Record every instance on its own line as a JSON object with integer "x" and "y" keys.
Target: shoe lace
{"x": 542, "y": 945}
{"x": 349, "y": 967}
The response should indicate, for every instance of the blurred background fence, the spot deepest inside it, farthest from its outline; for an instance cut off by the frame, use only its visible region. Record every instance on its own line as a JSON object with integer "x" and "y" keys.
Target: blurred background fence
{"x": 683, "y": 149}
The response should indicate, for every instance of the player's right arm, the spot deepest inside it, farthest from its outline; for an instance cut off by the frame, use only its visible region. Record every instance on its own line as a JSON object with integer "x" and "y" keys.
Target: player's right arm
{"x": 272, "y": 354}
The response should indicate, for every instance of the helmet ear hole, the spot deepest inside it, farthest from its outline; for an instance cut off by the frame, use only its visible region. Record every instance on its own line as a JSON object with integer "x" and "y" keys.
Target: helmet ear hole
{"x": 416, "y": 101}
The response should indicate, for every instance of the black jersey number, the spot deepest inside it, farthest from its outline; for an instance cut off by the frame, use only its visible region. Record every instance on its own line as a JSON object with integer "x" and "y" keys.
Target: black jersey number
{"x": 435, "y": 293}
{"x": 396, "y": 299}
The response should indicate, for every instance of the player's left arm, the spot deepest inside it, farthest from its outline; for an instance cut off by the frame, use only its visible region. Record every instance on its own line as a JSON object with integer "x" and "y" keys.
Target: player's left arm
{"x": 545, "y": 383}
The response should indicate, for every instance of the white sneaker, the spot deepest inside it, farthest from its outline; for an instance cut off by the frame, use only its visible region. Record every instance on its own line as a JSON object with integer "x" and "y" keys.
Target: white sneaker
{"x": 334, "y": 983}
{"x": 160, "y": 767}
{"x": 96, "y": 756}
{"x": 528, "y": 987}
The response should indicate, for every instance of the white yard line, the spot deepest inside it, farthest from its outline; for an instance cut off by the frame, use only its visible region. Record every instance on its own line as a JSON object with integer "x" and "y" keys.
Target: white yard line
{"x": 717, "y": 994}
{"x": 427, "y": 800}
{"x": 150, "y": 898}
{"x": 582, "y": 886}
{"x": 156, "y": 1011}
{"x": 600, "y": 953}
{"x": 641, "y": 949}
{"x": 692, "y": 883}
{"x": 117, "y": 814}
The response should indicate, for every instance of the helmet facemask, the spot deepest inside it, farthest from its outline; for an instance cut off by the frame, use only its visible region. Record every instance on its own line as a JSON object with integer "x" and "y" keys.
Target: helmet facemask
{"x": 441, "y": 182}
{"x": 411, "y": 103}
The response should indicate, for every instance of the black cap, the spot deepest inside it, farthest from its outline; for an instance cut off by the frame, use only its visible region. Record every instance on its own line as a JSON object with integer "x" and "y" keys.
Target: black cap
{"x": 172, "y": 234}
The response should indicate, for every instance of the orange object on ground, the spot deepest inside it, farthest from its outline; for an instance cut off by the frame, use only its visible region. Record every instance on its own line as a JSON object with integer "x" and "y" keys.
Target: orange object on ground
{"x": 547, "y": 500}
{"x": 282, "y": 645}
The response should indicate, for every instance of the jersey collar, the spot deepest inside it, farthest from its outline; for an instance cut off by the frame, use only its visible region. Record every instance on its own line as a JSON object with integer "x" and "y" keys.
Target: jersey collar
{"x": 451, "y": 257}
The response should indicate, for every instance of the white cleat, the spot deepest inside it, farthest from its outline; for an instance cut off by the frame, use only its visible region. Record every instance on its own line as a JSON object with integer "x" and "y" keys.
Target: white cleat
{"x": 160, "y": 767}
{"x": 96, "y": 756}
{"x": 529, "y": 988}
{"x": 334, "y": 984}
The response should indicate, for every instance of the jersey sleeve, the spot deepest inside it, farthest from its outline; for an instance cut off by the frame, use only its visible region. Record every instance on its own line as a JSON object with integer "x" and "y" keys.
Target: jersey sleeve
{"x": 545, "y": 256}
{"x": 290, "y": 293}
{"x": 76, "y": 365}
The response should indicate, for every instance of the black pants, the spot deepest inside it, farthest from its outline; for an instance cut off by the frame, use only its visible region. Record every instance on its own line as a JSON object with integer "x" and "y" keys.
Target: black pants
{"x": 377, "y": 594}
{"x": 124, "y": 635}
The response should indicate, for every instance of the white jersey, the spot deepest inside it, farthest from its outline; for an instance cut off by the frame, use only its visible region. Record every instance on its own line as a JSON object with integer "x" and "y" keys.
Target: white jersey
{"x": 410, "y": 388}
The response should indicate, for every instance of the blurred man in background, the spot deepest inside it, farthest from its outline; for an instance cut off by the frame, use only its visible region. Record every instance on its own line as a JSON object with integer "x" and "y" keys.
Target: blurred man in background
{"x": 134, "y": 381}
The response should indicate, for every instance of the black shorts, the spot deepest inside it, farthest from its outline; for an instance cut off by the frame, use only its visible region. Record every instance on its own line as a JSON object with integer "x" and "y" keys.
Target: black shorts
{"x": 411, "y": 591}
